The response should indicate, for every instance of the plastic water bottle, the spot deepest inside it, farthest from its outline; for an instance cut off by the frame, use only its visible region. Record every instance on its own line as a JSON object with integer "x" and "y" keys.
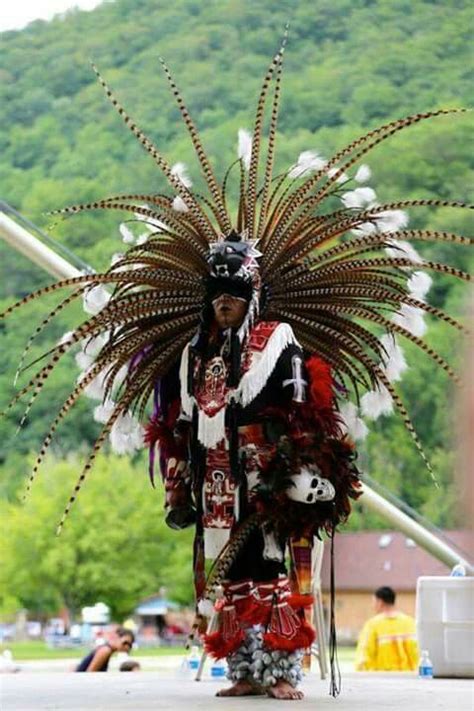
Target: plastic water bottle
{"x": 194, "y": 659}
{"x": 425, "y": 670}
{"x": 218, "y": 669}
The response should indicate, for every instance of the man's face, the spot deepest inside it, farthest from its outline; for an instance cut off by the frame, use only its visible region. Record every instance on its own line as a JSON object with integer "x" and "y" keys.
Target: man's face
{"x": 229, "y": 311}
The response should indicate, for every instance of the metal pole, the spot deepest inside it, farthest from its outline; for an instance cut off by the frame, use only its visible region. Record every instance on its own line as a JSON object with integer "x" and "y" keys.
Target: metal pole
{"x": 421, "y": 535}
{"x": 24, "y": 242}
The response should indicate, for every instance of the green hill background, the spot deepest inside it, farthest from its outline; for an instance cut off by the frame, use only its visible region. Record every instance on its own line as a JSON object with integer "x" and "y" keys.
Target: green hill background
{"x": 350, "y": 66}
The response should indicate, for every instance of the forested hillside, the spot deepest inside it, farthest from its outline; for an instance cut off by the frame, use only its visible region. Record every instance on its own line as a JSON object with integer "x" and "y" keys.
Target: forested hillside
{"x": 350, "y": 66}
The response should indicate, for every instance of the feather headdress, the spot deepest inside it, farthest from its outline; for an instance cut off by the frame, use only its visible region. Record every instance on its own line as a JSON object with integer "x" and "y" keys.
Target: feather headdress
{"x": 335, "y": 275}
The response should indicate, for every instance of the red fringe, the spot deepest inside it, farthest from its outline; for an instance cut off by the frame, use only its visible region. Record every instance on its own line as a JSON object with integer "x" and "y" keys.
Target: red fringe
{"x": 303, "y": 639}
{"x": 254, "y": 612}
{"x": 217, "y": 647}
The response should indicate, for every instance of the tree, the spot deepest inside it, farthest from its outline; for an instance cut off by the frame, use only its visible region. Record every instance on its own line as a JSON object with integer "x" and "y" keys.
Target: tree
{"x": 115, "y": 546}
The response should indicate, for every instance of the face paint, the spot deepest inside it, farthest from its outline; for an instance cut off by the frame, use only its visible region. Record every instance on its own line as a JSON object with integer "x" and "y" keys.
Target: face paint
{"x": 229, "y": 311}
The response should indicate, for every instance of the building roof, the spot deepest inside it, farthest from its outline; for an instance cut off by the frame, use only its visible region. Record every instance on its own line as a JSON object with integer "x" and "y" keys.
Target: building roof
{"x": 368, "y": 559}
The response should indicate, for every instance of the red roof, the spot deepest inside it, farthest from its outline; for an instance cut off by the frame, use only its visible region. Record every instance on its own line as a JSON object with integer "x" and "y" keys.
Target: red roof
{"x": 369, "y": 559}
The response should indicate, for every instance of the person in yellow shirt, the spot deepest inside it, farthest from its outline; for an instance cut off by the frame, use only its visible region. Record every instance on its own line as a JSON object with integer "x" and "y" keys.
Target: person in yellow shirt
{"x": 387, "y": 641}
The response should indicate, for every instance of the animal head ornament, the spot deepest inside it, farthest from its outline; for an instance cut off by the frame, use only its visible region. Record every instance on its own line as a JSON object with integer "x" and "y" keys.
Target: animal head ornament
{"x": 345, "y": 278}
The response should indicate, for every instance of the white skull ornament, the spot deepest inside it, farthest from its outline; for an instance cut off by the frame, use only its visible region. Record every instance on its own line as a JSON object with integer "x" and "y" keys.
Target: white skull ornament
{"x": 309, "y": 486}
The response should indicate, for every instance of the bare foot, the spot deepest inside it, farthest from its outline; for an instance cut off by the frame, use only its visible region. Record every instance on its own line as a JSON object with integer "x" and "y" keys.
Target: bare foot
{"x": 242, "y": 688}
{"x": 283, "y": 690}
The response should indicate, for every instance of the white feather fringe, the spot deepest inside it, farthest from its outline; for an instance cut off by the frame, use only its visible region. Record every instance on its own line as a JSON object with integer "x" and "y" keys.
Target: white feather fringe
{"x": 179, "y": 205}
{"x": 365, "y": 229}
{"x": 83, "y": 360}
{"x": 94, "y": 299}
{"x": 127, "y": 235}
{"x": 404, "y": 250}
{"x": 206, "y": 607}
{"x": 126, "y": 435}
{"x": 363, "y": 174}
{"x": 412, "y": 319}
{"x": 65, "y": 338}
{"x": 392, "y": 220}
{"x": 180, "y": 170}
{"x": 352, "y": 424}
{"x": 103, "y": 412}
{"x": 393, "y": 360}
{"x": 419, "y": 285}
{"x": 244, "y": 147}
{"x": 360, "y": 197}
{"x": 308, "y": 162}
{"x": 376, "y": 403}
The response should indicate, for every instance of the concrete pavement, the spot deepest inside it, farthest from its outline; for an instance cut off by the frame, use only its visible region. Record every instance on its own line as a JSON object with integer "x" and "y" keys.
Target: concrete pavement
{"x": 154, "y": 691}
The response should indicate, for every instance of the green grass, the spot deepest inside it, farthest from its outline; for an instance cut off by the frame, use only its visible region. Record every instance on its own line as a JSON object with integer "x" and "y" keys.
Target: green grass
{"x": 23, "y": 651}
{"x": 26, "y": 651}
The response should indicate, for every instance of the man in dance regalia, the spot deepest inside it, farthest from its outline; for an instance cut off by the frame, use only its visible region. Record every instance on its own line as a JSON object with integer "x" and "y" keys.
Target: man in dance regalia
{"x": 256, "y": 435}
{"x": 255, "y": 338}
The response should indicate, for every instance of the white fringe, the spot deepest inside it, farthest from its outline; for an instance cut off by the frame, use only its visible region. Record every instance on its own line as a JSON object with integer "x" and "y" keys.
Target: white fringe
{"x": 244, "y": 148}
{"x": 393, "y": 361}
{"x": 263, "y": 364}
{"x": 363, "y": 174}
{"x": 179, "y": 205}
{"x": 180, "y": 170}
{"x": 352, "y": 424}
{"x": 126, "y": 435}
{"x": 405, "y": 250}
{"x": 206, "y": 607}
{"x": 65, "y": 338}
{"x": 94, "y": 299}
{"x": 419, "y": 285}
{"x": 83, "y": 360}
{"x": 103, "y": 412}
{"x": 211, "y": 430}
{"x": 365, "y": 229}
{"x": 392, "y": 220}
{"x": 360, "y": 197}
{"x": 376, "y": 403}
{"x": 127, "y": 235}
{"x": 411, "y": 318}
{"x": 96, "y": 389}
{"x": 308, "y": 162}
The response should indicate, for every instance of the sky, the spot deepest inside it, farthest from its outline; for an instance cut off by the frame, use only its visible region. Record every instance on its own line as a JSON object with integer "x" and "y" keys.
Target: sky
{"x": 15, "y": 14}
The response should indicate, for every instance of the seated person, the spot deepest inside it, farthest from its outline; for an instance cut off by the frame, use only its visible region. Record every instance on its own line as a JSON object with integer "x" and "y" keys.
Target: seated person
{"x": 98, "y": 660}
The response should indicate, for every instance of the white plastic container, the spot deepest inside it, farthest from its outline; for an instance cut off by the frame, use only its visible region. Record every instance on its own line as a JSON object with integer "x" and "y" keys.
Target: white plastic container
{"x": 445, "y": 623}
